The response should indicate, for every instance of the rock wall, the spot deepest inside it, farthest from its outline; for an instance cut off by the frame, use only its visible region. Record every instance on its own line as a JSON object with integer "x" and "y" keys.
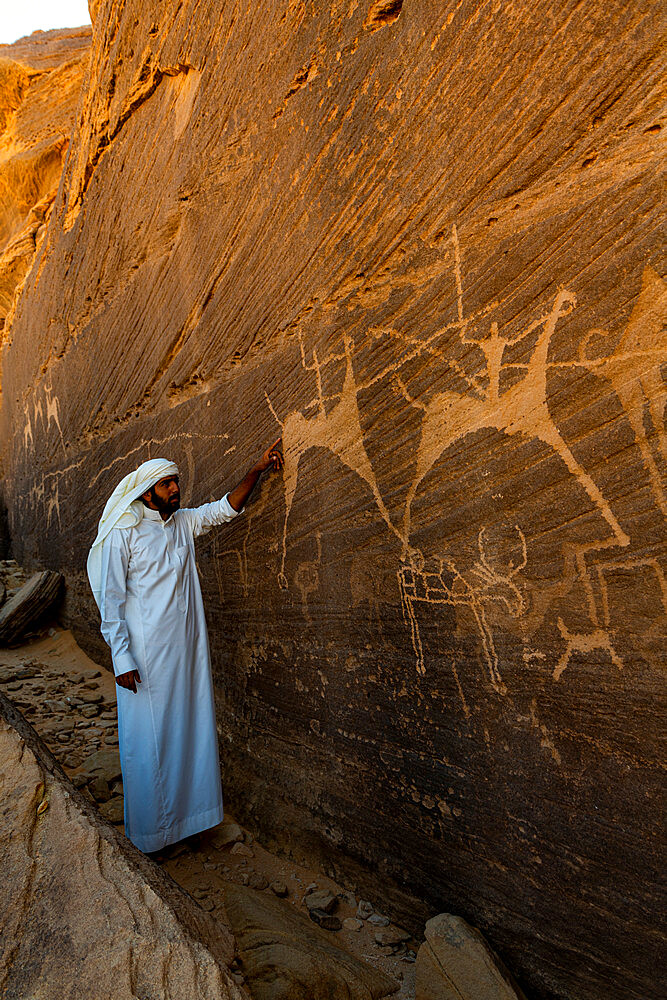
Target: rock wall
{"x": 40, "y": 81}
{"x": 420, "y": 241}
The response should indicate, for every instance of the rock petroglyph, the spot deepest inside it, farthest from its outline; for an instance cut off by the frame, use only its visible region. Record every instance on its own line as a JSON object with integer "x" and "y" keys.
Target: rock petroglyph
{"x": 481, "y": 586}
{"x": 423, "y": 245}
{"x": 338, "y": 431}
{"x": 521, "y": 409}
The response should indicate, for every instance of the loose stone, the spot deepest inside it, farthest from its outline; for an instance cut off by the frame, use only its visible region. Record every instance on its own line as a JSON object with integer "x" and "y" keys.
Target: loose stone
{"x": 391, "y": 937}
{"x": 113, "y": 810}
{"x": 242, "y": 850}
{"x": 257, "y": 881}
{"x": 100, "y": 789}
{"x": 325, "y": 920}
{"x": 91, "y": 697}
{"x": 321, "y": 900}
{"x": 228, "y": 833}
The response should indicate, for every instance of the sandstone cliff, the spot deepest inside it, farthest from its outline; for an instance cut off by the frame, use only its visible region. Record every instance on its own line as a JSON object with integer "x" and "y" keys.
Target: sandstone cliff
{"x": 83, "y": 913}
{"x": 419, "y": 240}
{"x": 40, "y": 81}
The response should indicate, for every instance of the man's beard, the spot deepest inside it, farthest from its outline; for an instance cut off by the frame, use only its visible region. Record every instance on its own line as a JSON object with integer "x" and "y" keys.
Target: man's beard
{"x": 165, "y": 506}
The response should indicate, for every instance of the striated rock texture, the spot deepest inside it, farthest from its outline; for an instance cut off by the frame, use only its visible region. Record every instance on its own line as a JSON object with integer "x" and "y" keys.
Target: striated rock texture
{"x": 40, "y": 81}
{"x": 285, "y": 957}
{"x": 455, "y": 963}
{"x": 420, "y": 240}
{"x": 83, "y": 913}
{"x": 29, "y": 605}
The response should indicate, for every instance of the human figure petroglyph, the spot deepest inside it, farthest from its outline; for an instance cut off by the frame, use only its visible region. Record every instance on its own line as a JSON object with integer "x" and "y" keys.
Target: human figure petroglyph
{"x": 477, "y": 589}
{"x": 27, "y": 434}
{"x": 520, "y": 409}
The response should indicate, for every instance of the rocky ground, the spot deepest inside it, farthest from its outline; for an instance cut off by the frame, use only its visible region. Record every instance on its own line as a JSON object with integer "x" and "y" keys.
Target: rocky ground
{"x": 70, "y": 702}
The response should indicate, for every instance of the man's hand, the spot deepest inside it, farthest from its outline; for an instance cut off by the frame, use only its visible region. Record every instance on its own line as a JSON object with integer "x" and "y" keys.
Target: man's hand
{"x": 271, "y": 457}
{"x": 129, "y": 680}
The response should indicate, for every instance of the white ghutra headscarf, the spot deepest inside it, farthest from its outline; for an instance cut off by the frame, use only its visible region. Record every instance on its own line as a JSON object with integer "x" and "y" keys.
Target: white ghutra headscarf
{"x": 124, "y": 509}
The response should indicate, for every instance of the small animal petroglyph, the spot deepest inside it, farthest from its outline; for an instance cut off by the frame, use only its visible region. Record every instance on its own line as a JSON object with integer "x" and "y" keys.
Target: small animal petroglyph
{"x": 584, "y": 642}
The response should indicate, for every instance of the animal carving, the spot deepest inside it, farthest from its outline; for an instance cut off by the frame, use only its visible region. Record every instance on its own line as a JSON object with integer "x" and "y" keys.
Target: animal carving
{"x": 338, "y": 431}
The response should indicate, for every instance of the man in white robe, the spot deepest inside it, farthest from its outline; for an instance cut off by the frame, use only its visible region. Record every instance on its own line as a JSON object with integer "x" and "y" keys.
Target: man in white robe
{"x": 144, "y": 578}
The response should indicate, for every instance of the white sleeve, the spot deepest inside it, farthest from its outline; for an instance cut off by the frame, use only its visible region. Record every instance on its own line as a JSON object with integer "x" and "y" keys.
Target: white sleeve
{"x": 202, "y": 519}
{"x": 115, "y": 560}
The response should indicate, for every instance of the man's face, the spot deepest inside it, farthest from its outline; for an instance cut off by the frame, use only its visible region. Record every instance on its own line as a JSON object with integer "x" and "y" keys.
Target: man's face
{"x": 166, "y": 495}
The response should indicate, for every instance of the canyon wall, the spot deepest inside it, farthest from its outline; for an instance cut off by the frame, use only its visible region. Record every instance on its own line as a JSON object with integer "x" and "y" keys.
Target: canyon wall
{"x": 40, "y": 82}
{"x": 420, "y": 241}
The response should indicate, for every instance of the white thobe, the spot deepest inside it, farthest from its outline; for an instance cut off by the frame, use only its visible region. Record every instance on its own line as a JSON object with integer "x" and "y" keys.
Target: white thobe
{"x": 153, "y": 620}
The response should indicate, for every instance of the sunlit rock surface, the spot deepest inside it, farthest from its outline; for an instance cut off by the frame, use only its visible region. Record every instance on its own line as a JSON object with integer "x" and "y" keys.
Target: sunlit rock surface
{"x": 420, "y": 241}
{"x": 40, "y": 81}
{"x": 83, "y": 913}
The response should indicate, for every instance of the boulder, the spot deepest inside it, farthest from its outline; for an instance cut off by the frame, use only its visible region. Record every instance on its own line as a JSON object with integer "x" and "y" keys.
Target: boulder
{"x": 29, "y": 605}
{"x": 104, "y": 764}
{"x": 285, "y": 957}
{"x": 227, "y": 833}
{"x": 455, "y": 963}
{"x": 83, "y": 913}
{"x": 321, "y": 899}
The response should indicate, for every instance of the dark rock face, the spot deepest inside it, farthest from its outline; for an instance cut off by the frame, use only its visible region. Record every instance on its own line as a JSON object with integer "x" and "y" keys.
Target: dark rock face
{"x": 421, "y": 243}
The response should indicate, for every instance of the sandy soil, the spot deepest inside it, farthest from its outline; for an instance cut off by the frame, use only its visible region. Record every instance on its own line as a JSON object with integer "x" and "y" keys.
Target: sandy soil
{"x": 71, "y": 702}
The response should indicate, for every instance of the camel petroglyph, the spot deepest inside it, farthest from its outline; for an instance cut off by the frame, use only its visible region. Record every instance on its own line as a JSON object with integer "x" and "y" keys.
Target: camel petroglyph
{"x": 519, "y": 409}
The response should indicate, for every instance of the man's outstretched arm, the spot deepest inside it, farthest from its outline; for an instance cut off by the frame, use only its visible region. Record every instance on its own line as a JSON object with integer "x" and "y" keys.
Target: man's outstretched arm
{"x": 272, "y": 458}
